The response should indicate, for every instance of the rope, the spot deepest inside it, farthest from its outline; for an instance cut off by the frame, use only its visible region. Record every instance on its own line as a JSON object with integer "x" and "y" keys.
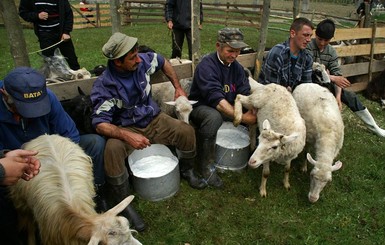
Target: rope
{"x": 53, "y": 45}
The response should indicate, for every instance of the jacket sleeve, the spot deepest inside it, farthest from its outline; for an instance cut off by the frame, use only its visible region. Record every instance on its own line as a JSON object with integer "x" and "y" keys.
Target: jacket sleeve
{"x": 60, "y": 122}
{"x": 68, "y": 19}
{"x": 27, "y": 12}
{"x": 169, "y": 10}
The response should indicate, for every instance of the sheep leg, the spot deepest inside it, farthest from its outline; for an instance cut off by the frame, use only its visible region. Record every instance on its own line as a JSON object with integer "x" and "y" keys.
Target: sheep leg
{"x": 265, "y": 175}
{"x": 238, "y": 109}
{"x": 286, "y": 183}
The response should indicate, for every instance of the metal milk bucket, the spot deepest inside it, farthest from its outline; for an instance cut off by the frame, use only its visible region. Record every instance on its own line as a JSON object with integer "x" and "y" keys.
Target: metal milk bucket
{"x": 155, "y": 172}
{"x": 232, "y": 147}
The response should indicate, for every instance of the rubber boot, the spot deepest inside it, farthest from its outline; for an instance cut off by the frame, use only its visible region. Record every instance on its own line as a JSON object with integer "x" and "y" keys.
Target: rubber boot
{"x": 368, "y": 119}
{"x": 206, "y": 158}
{"x": 118, "y": 190}
{"x": 186, "y": 166}
{"x": 100, "y": 199}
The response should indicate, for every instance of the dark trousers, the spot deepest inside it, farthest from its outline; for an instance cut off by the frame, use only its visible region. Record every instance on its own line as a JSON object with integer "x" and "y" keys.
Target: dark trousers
{"x": 206, "y": 120}
{"x": 67, "y": 49}
{"x": 177, "y": 42}
{"x": 350, "y": 99}
{"x": 9, "y": 233}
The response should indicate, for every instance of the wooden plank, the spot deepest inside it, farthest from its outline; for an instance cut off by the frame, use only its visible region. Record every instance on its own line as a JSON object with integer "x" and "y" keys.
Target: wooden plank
{"x": 356, "y": 69}
{"x": 247, "y": 60}
{"x": 353, "y": 50}
{"x": 353, "y": 33}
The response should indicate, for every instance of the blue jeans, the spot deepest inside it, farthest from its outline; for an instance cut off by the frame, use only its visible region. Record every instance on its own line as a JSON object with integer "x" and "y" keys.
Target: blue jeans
{"x": 93, "y": 145}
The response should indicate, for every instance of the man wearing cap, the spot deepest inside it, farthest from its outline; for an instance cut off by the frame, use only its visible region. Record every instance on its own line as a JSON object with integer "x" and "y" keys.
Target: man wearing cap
{"x": 218, "y": 78}
{"x": 28, "y": 109}
{"x": 324, "y": 53}
{"x": 126, "y": 114}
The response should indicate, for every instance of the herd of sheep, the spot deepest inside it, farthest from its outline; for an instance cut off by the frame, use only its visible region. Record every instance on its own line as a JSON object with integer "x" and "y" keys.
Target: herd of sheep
{"x": 307, "y": 120}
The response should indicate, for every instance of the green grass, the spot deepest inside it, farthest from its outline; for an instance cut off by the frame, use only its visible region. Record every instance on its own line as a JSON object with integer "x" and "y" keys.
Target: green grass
{"x": 350, "y": 209}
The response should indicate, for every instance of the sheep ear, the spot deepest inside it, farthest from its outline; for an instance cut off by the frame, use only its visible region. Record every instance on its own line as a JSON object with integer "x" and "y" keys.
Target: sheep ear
{"x": 121, "y": 206}
{"x": 266, "y": 125}
{"x": 337, "y": 165}
{"x": 287, "y": 139}
{"x": 193, "y": 102}
{"x": 94, "y": 240}
{"x": 310, "y": 159}
{"x": 170, "y": 103}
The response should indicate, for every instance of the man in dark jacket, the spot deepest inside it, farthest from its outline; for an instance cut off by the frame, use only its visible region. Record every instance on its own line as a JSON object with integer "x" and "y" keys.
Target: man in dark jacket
{"x": 218, "y": 78}
{"x": 126, "y": 114}
{"x": 53, "y": 22}
{"x": 178, "y": 17}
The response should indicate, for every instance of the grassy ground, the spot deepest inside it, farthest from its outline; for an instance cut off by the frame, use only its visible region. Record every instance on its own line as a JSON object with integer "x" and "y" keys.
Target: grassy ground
{"x": 350, "y": 210}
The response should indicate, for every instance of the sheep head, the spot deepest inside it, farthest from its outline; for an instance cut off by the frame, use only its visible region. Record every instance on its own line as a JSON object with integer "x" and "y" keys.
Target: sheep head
{"x": 320, "y": 175}
{"x": 320, "y": 75}
{"x": 183, "y": 107}
{"x": 270, "y": 147}
{"x": 111, "y": 229}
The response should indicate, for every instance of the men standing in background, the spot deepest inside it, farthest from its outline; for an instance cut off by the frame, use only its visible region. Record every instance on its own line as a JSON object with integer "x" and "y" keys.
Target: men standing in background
{"x": 178, "y": 17}
{"x": 53, "y": 21}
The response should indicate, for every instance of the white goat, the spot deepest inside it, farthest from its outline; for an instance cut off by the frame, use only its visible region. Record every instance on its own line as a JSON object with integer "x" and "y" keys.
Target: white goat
{"x": 163, "y": 95}
{"x": 324, "y": 131}
{"x": 60, "y": 199}
{"x": 282, "y": 129}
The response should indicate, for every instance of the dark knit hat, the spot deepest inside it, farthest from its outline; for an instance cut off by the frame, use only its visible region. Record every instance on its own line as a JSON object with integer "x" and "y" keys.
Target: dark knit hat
{"x": 325, "y": 29}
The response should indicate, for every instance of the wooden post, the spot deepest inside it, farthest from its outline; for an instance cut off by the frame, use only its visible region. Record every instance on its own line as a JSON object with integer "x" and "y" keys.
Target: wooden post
{"x": 262, "y": 37}
{"x": 97, "y": 11}
{"x": 17, "y": 44}
{"x": 115, "y": 16}
{"x": 295, "y": 8}
{"x": 195, "y": 34}
{"x": 372, "y": 44}
{"x": 367, "y": 15}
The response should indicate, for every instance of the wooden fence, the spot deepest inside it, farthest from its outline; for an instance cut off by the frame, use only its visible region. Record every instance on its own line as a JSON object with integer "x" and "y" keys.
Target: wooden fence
{"x": 91, "y": 15}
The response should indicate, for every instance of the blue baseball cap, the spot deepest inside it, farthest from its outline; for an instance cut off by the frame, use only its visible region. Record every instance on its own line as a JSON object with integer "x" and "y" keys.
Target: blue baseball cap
{"x": 28, "y": 89}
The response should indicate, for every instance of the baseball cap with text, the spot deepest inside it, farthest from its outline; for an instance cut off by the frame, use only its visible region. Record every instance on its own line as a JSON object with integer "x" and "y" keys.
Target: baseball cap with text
{"x": 28, "y": 89}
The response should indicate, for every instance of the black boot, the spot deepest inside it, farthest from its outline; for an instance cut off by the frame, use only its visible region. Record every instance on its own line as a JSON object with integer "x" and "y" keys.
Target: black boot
{"x": 118, "y": 190}
{"x": 206, "y": 154}
{"x": 100, "y": 199}
{"x": 187, "y": 172}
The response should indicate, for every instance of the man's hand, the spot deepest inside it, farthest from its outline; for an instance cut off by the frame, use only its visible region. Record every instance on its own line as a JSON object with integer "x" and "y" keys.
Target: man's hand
{"x": 20, "y": 164}
{"x": 65, "y": 37}
{"x": 340, "y": 81}
{"x": 137, "y": 141}
{"x": 43, "y": 15}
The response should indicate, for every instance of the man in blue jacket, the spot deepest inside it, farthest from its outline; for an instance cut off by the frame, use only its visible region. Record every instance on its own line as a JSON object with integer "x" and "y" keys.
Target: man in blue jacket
{"x": 126, "y": 114}
{"x": 218, "y": 78}
{"x": 27, "y": 110}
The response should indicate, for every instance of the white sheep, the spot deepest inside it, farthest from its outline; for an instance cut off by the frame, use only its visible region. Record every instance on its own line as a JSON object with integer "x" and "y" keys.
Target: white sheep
{"x": 183, "y": 107}
{"x": 60, "y": 199}
{"x": 282, "y": 129}
{"x": 320, "y": 74}
{"x": 163, "y": 95}
{"x": 324, "y": 131}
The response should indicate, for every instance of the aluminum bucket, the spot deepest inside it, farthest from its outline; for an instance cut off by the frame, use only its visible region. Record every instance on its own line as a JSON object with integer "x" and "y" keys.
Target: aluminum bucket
{"x": 232, "y": 147}
{"x": 155, "y": 172}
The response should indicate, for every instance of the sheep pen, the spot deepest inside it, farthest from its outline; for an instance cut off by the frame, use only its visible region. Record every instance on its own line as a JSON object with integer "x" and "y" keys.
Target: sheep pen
{"x": 59, "y": 200}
